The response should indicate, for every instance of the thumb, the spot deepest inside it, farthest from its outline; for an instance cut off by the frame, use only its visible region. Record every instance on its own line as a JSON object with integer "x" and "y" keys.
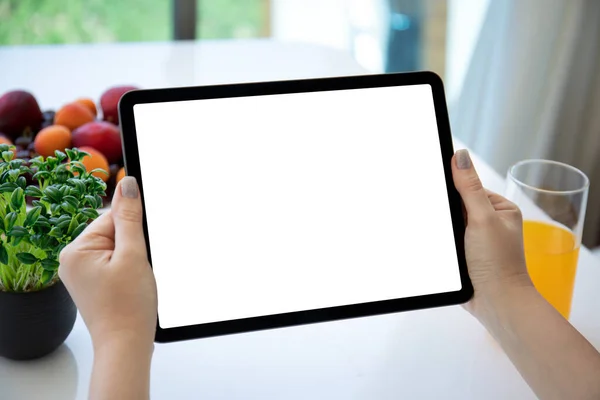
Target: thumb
{"x": 126, "y": 210}
{"x": 93, "y": 242}
{"x": 469, "y": 186}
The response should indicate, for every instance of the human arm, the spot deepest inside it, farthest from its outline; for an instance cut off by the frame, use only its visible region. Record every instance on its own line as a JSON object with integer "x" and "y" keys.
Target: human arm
{"x": 551, "y": 355}
{"x": 107, "y": 273}
{"x": 121, "y": 370}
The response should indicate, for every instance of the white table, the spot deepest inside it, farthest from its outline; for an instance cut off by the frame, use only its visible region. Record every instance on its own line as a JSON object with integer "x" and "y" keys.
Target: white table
{"x": 432, "y": 354}
{"x": 60, "y": 74}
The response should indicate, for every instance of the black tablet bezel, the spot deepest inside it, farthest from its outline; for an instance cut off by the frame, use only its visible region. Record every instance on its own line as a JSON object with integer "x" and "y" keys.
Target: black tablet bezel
{"x": 132, "y": 165}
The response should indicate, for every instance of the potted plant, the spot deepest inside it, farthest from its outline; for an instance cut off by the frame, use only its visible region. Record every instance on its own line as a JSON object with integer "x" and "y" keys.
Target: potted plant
{"x": 36, "y": 311}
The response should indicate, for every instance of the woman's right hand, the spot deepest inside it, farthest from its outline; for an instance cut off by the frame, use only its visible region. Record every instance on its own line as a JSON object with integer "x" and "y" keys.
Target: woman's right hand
{"x": 493, "y": 239}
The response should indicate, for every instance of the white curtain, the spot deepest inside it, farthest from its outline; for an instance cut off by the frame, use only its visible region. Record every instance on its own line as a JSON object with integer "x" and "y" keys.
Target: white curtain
{"x": 532, "y": 90}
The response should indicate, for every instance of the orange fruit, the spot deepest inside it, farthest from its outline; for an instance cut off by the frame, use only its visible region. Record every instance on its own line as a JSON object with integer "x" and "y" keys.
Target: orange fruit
{"x": 89, "y": 104}
{"x": 51, "y": 138}
{"x": 95, "y": 160}
{"x": 73, "y": 115}
{"x": 120, "y": 174}
{"x": 5, "y": 140}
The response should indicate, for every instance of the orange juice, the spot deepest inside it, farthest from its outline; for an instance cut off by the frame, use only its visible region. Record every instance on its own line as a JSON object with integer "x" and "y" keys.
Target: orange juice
{"x": 551, "y": 253}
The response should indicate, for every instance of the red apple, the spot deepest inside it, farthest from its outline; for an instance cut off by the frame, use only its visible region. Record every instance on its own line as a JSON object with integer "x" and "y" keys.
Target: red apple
{"x": 109, "y": 102}
{"x": 19, "y": 110}
{"x": 102, "y": 136}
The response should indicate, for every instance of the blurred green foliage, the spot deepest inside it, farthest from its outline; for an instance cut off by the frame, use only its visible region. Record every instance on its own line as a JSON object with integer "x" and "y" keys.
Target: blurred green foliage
{"x": 89, "y": 21}
{"x": 231, "y": 18}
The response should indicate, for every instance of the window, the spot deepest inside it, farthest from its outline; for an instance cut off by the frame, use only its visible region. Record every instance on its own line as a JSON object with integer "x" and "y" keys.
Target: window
{"x": 25, "y": 22}
{"x": 383, "y": 35}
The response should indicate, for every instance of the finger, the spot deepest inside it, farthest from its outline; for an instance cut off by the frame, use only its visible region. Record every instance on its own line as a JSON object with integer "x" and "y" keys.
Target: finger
{"x": 102, "y": 229}
{"x": 469, "y": 186}
{"x": 500, "y": 203}
{"x": 97, "y": 240}
{"x": 126, "y": 213}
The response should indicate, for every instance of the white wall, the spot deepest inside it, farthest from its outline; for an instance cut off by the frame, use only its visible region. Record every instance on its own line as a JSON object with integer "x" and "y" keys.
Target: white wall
{"x": 465, "y": 18}
{"x": 331, "y": 23}
{"x": 356, "y": 26}
{"x": 315, "y": 21}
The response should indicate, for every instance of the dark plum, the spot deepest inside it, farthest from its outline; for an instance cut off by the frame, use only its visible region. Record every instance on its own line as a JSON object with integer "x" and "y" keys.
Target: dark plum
{"x": 23, "y": 141}
{"x": 46, "y": 124}
{"x": 23, "y": 154}
{"x": 49, "y": 115}
{"x": 114, "y": 169}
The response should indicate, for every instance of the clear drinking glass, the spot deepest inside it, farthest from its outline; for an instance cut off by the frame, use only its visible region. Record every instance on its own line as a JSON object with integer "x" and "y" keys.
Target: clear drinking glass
{"x": 553, "y": 198}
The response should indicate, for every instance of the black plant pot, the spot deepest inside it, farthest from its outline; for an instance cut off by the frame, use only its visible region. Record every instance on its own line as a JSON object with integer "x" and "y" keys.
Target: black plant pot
{"x": 34, "y": 324}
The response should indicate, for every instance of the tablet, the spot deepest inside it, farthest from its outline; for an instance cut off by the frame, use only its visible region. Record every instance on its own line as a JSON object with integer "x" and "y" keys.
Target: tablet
{"x": 275, "y": 204}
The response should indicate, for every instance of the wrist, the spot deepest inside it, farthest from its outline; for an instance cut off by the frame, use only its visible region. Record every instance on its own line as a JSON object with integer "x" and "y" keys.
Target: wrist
{"x": 495, "y": 300}
{"x": 121, "y": 344}
{"x": 122, "y": 366}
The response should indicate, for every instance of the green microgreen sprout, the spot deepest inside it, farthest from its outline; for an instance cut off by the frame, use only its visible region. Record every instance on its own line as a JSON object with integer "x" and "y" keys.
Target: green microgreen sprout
{"x": 65, "y": 199}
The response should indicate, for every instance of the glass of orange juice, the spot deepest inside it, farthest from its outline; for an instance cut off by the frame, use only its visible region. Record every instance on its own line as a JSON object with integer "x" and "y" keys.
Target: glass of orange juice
{"x": 553, "y": 199}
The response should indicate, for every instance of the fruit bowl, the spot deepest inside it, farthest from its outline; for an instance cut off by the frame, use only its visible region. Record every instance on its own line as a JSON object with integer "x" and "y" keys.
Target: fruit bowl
{"x": 79, "y": 123}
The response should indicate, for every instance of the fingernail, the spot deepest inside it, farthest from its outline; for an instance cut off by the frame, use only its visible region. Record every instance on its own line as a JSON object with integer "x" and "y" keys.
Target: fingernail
{"x": 129, "y": 187}
{"x": 463, "y": 160}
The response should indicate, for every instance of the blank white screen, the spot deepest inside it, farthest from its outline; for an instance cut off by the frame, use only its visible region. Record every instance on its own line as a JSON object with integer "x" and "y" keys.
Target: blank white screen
{"x": 272, "y": 204}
